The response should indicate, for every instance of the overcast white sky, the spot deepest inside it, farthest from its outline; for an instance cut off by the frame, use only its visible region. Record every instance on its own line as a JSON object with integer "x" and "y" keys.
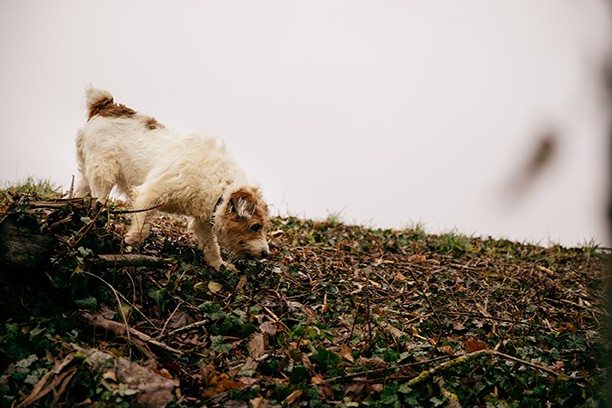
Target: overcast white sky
{"x": 387, "y": 112}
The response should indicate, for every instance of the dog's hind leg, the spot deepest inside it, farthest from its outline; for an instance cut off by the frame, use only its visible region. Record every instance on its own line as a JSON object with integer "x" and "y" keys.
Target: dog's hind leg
{"x": 98, "y": 179}
{"x": 90, "y": 184}
{"x": 82, "y": 188}
{"x": 140, "y": 229}
{"x": 203, "y": 231}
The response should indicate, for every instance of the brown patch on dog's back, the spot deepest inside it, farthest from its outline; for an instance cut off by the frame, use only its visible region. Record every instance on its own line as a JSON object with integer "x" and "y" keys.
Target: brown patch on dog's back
{"x": 151, "y": 123}
{"x": 108, "y": 108}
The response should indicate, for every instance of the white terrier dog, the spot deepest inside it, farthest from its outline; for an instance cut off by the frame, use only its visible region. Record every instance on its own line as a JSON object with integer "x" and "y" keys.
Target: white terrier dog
{"x": 156, "y": 167}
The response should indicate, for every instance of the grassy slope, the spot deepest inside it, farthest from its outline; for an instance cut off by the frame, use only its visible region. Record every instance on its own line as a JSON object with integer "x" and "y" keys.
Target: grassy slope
{"x": 338, "y": 315}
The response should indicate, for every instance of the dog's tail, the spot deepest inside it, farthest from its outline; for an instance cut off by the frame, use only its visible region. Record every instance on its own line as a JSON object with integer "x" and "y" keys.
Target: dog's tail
{"x": 96, "y": 100}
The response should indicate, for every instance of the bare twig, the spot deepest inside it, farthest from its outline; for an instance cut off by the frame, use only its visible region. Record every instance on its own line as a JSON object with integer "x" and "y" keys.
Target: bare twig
{"x": 71, "y": 192}
{"x": 187, "y": 328}
{"x": 418, "y": 283}
{"x": 161, "y": 333}
{"x": 115, "y": 293}
{"x": 117, "y": 296}
{"x": 368, "y": 309}
{"x": 91, "y": 223}
{"x": 120, "y": 329}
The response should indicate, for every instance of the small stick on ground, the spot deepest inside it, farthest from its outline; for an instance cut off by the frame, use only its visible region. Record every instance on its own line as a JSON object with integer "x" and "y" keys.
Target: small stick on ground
{"x": 120, "y": 329}
{"x": 129, "y": 260}
{"x": 187, "y": 328}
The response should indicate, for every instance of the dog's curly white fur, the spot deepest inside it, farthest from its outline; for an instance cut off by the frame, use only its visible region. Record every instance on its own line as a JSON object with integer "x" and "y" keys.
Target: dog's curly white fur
{"x": 184, "y": 174}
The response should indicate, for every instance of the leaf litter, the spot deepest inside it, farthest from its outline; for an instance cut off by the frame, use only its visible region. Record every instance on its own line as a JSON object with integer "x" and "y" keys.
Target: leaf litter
{"x": 338, "y": 315}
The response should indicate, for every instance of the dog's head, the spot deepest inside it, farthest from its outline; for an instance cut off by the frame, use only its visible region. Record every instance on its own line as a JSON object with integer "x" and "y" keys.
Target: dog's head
{"x": 241, "y": 226}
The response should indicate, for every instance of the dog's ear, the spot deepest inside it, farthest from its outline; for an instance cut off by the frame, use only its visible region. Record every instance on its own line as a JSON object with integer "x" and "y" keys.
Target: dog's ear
{"x": 243, "y": 203}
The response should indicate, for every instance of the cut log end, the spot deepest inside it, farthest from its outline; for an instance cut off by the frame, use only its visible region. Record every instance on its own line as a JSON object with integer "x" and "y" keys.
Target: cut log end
{"x": 22, "y": 244}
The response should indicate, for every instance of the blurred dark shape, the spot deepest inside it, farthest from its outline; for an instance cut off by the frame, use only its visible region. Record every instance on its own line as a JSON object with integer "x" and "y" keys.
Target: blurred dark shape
{"x": 607, "y": 326}
{"x": 542, "y": 156}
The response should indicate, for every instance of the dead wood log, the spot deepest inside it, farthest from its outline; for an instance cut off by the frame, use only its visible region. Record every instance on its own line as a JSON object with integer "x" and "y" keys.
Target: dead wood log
{"x": 22, "y": 244}
{"x": 26, "y": 235}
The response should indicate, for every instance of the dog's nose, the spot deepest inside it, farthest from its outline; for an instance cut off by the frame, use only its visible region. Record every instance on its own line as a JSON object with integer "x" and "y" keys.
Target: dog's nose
{"x": 264, "y": 254}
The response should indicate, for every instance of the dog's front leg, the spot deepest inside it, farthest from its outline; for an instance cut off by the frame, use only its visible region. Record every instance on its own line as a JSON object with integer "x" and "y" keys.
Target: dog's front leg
{"x": 209, "y": 244}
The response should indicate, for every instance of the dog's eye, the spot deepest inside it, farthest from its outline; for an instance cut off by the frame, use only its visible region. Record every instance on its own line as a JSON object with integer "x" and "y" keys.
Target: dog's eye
{"x": 255, "y": 227}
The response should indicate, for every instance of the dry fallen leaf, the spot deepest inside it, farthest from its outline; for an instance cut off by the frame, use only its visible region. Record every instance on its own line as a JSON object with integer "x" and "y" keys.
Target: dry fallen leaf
{"x": 346, "y": 353}
{"x": 179, "y": 319}
{"x": 317, "y": 379}
{"x": 259, "y": 402}
{"x": 293, "y": 397}
{"x": 214, "y": 287}
{"x": 474, "y": 345}
{"x": 446, "y": 349}
{"x": 107, "y": 312}
{"x": 417, "y": 258}
{"x": 110, "y": 375}
{"x": 458, "y": 326}
{"x": 242, "y": 282}
{"x": 257, "y": 345}
{"x": 378, "y": 388}
{"x": 268, "y": 327}
{"x": 216, "y": 383}
{"x": 400, "y": 277}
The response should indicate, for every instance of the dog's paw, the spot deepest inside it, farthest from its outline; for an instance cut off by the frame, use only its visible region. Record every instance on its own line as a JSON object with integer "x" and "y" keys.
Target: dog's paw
{"x": 229, "y": 267}
{"x": 133, "y": 239}
{"x": 137, "y": 237}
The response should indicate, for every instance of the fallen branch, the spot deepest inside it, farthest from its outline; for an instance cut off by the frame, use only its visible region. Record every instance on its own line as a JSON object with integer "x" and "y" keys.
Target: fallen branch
{"x": 120, "y": 329}
{"x": 81, "y": 201}
{"x": 456, "y": 360}
{"x": 55, "y": 381}
{"x": 129, "y": 260}
{"x": 426, "y": 374}
{"x": 497, "y": 319}
{"x": 380, "y": 370}
{"x": 61, "y": 202}
{"x": 396, "y": 333}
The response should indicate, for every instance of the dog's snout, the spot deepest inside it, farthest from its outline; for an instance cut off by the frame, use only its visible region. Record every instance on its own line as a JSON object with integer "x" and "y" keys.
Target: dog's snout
{"x": 264, "y": 251}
